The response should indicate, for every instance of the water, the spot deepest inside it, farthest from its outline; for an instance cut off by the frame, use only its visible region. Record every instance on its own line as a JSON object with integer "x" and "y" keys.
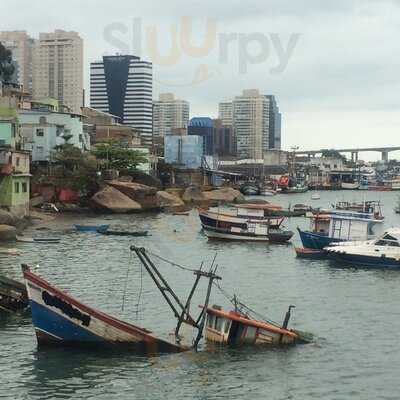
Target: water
{"x": 353, "y": 313}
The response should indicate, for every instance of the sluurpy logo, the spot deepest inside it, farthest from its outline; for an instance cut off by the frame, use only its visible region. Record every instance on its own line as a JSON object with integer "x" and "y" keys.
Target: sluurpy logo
{"x": 240, "y": 49}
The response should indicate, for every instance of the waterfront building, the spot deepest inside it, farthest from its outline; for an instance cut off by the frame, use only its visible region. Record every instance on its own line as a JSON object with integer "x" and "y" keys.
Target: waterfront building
{"x": 204, "y": 127}
{"x": 255, "y": 121}
{"x": 103, "y": 126}
{"x": 169, "y": 114}
{"x": 14, "y": 162}
{"x": 122, "y": 85}
{"x": 43, "y": 129}
{"x": 58, "y": 68}
{"x": 21, "y": 46}
{"x": 184, "y": 151}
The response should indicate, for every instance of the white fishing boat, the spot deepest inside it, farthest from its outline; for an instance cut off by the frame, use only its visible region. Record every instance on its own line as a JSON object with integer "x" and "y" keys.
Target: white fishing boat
{"x": 381, "y": 252}
{"x": 315, "y": 196}
{"x": 350, "y": 185}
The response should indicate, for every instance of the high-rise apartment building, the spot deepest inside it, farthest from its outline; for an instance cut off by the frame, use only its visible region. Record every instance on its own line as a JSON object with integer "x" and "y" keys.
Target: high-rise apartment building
{"x": 225, "y": 113}
{"x": 21, "y": 45}
{"x": 169, "y": 114}
{"x": 122, "y": 85}
{"x": 256, "y": 124}
{"x": 58, "y": 68}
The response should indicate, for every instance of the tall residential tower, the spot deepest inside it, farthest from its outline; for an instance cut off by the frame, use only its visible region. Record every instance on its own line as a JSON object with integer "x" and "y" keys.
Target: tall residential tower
{"x": 20, "y": 44}
{"x": 168, "y": 114}
{"x": 122, "y": 85}
{"x": 58, "y": 68}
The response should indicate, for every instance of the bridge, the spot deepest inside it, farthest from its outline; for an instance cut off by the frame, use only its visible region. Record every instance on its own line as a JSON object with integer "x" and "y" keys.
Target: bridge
{"x": 354, "y": 152}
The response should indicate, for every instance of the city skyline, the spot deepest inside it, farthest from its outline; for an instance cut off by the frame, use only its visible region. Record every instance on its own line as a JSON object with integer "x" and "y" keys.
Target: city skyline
{"x": 339, "y": 84}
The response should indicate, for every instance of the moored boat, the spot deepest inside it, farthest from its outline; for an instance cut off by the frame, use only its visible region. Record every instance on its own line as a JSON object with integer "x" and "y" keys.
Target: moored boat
{"x": 13, "y": 295}
{"x": 109, "y": 232}
{"x": 250, "y": 189}
{"x": 350, "y": 185}
{"x": 314, "y": 254}
{"x": 246, "y": 224}
{"x": 381, "y": 252}
{"x": 333, "y": 228}
{"x": 91, "y": 228}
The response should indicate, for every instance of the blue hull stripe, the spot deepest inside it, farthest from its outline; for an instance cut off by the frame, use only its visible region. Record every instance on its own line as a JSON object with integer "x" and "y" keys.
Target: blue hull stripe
{"x": 366, "y": 261}
{"x": 316, "y": 241}
{"x": 56, "y": 325}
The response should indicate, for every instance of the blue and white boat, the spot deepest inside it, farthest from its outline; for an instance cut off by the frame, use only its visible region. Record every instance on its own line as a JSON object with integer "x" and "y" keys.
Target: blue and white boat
{"x": 59, "y": 319}
{"x": 337, "y": 226}
{"x": 381, "y": 252}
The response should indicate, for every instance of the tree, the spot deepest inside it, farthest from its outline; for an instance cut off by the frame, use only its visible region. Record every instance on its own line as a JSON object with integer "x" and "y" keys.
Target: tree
{"x": 115, "y": 156}
{"x": 332, "y": 153}
{"x": 78, "y": 170}
{"x": 6, "y": 67}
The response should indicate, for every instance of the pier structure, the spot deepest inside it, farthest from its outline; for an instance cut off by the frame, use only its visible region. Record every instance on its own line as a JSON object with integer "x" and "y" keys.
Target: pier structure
{"x": 354, "y": 152}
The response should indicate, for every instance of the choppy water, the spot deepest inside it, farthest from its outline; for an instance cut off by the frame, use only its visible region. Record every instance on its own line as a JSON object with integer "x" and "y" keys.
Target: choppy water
{"x": 353, "y": 312}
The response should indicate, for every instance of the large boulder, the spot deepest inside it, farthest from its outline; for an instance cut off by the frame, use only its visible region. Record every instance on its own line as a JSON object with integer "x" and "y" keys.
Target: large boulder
{"x": 226, "y": 195}
{"x": 7, "y": 233}
{"x": 142, "y": 178}
{"x": 6, "y": 218}
{"x": 176, "y": 191}
{"x": 146, "y": 196}
{"x": 113, "y": 200}
{"x": 193, "y": 194}
{"x": 168, "y": 200}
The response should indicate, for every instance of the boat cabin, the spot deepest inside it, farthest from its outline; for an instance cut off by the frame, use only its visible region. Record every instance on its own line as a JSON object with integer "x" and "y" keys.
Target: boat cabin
{"x": 389, "y": 238}
{"x": 235, "y": 328}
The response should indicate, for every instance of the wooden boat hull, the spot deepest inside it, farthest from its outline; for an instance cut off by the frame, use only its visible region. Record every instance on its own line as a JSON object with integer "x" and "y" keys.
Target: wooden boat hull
{"x": 91, "y": 228}
{"x": 312, "y": 254}
{"x": 124, "y": 233}
{"x": 59, "y": 319}
{"x": 13, "y": 295}
{"x": 214, "y": 233}
{"x": 24, "y": 239}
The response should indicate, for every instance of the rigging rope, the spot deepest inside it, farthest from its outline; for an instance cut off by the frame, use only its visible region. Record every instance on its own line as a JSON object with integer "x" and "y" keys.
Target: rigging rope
{"x": 224, "y": 292}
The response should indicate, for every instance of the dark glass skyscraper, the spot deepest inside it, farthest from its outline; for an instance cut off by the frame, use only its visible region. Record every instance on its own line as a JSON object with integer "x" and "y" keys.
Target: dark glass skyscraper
{"x": 122, "y": 85}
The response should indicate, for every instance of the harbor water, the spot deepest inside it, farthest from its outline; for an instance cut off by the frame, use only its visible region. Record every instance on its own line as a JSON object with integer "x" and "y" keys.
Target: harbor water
{"x": 353, "y": 313}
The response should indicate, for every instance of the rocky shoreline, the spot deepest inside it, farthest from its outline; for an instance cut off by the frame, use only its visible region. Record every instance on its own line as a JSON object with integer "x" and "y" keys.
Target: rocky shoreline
{"x": 124, "y": 196}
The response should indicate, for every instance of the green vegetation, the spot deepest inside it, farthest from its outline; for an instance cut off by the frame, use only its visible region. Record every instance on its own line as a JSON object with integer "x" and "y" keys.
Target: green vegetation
{"x": 6, "y": 68}
{"x": 331, "y": 153}
{"x": 75, "y": 169}
{"x": 112, "y": 155}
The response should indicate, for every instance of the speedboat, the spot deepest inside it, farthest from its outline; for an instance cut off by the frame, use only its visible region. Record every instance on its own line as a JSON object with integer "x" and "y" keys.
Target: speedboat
{"x": 381, "y": 252}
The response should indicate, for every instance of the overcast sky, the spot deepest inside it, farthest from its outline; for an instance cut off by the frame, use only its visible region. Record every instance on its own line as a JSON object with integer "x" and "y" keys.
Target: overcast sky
{"x": 333, "y": 65}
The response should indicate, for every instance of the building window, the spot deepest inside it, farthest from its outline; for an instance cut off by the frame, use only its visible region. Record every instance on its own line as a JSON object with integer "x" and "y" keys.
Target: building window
{"x": 42, "y": 120}
{"x": 39, "y": 132}
{"x": 16, "y": 187}
{"x": 24, "y": 187}
{"x": 17, "y": 162}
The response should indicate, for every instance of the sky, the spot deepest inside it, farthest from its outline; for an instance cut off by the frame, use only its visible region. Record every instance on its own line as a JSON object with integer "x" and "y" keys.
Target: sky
{"x": 333, "y": 66}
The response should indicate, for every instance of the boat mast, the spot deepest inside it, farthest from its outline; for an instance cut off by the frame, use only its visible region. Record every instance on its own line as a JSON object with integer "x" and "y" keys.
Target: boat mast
{"x": 180, "y": 311}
